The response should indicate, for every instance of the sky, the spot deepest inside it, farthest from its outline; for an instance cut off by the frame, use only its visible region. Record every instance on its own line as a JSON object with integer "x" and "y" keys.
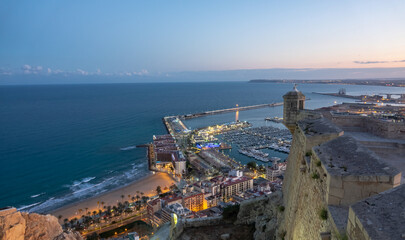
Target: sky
{"x": 148, "y": 40}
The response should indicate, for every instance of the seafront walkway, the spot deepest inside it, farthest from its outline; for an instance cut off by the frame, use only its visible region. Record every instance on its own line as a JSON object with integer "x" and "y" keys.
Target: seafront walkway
{"x": 115, "y": 222}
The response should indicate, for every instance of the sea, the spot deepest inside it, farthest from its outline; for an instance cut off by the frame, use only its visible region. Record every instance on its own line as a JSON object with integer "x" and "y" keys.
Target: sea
{"x": 63, "y": 143}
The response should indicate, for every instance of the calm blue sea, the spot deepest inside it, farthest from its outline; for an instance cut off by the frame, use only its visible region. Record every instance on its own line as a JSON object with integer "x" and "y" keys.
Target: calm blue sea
{"x": 63, "y": 143}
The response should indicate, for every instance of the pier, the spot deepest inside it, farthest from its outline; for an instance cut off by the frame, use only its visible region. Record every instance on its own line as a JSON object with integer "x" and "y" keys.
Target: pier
{"x": 235, "y": 109}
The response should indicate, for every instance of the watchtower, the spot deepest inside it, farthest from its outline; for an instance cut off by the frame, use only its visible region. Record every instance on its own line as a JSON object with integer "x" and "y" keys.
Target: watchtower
{"x": 294, "y": 101}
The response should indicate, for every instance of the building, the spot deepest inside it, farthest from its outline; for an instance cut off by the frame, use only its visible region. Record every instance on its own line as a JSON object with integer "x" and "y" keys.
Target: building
{"x": 152, "y": 208}
{"x": 193, "y": 199}
{"x": 294, "y": 101}
{"x": 235, "y": 185}
{"x": 167, "y": 156}
{"x": 176, "y": 208}
{"x": 275, "y": 171}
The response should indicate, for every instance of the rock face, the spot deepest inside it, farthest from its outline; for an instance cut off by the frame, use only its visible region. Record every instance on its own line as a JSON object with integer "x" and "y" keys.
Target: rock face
{"x": 265, "y": 212}
{"x": 15, "y": 225}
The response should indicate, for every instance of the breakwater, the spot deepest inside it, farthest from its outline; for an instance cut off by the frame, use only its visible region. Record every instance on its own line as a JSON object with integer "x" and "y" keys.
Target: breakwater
{"x": 220, "y": 111}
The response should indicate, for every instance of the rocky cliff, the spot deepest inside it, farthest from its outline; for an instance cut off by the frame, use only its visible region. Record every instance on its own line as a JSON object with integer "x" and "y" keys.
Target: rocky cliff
{"x": 16, "y": 225}
{"x": 265, "y": 212}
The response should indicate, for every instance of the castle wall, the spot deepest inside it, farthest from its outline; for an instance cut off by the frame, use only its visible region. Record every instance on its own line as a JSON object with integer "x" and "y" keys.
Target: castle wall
{"x": 385, "y": 129}
{"x": 304, "y": 196}
{"x": 354, "y": 227}
{"x": 316, "y": 193}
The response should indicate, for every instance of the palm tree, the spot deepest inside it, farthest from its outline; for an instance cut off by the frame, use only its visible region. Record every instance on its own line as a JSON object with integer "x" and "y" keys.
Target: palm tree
{"x": 133, "y": 199}
{"x": 158, "y": 190}
{"x": 60, "y": 217}
{"x": 122, "y": 196}
{"x": 87, "y": 209}
{"x": 94, "y": 213}
{"x": 102, "y": 204}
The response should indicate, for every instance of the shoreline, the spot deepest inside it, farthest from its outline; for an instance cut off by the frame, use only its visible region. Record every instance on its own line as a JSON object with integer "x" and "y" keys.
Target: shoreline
{"x": 146, "y": 184}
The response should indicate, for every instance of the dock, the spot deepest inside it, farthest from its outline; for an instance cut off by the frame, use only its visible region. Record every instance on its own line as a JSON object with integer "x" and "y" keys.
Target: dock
{"x": 235, "y": 109}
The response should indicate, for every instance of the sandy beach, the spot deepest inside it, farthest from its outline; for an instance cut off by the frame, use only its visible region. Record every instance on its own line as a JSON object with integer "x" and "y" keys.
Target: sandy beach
{"x": 147, "y": 185}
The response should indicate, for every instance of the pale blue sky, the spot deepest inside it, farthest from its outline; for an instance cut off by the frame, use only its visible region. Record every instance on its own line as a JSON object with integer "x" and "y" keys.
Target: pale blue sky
{"x": 163, "y": 37}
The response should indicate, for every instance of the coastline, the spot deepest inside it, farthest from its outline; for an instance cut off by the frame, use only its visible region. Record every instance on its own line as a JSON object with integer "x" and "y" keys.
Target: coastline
{"x": 146, "y": 184}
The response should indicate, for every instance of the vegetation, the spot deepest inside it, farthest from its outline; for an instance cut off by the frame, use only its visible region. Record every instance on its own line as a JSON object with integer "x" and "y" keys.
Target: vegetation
{"x": 315, "y": 175}
{"x": 308, "y": 154}
{"x": 158, "y": 190}
{"x": 93, "y": 236}
{"x": 341, "y": 236}
{"x": 323, "y": 214}
{"x": 318, "y": 163}
{"x": 281, "y": 208}
{"x": 252, "y": 165}
{"x": 230, "y": 213}
{"x": 107, "y": 215}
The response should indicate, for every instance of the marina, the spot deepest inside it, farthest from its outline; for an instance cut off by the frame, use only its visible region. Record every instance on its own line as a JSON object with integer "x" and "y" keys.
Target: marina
{"x": 252, "y": 141}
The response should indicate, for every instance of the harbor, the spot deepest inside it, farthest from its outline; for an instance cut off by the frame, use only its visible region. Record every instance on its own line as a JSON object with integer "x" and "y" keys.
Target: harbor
{"x": 235, "y": 109}
{"x": 252, "y": 141}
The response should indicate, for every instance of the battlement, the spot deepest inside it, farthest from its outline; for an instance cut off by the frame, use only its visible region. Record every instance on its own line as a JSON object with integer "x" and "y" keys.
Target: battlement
{"x": 352, "y": 171}
{"x": 317, "y": 131}
{"x": 379, "y": 217}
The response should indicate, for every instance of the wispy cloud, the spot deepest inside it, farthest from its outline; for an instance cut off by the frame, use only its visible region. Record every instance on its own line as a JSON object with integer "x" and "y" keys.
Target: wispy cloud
{"x": 376, "y": 62}
{"x": 82, "y": 72}
{"x": 28, "y": 69}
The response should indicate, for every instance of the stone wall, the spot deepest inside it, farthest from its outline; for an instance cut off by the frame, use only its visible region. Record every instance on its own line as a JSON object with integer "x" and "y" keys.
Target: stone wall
{"x": 264, "y": 212}
{"x": 378, "y": 127}
{"x": 304, "y": 196}
{"x": 328, "y": 172}
{"x": 183, "y": 224}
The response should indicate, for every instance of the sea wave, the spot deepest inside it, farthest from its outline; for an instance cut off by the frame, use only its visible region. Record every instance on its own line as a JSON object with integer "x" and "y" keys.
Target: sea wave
{"x": 37, "y": 195}
{"x": 84, "y": 180}
{"x": 128, "y": 148}
{"x": 83, "y": 189}
{"x": 28, "y": 206}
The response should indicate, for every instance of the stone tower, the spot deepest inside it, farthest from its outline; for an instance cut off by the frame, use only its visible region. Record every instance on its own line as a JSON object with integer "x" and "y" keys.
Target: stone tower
{"x": 294, "y": 101}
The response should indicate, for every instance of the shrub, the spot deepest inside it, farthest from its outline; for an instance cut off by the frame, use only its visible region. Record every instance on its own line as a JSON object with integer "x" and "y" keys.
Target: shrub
{"x": 318, "y": 163}
{"x": 281, "y": 208}
{"x": 308, "y": 154}
{"x": 315, "y": 175}
{"x": 323, "y": 214}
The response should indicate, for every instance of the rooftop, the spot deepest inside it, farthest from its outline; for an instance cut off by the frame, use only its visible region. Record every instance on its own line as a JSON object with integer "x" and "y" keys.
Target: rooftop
{"x": 294, "y": 92}
{"x": 234, "y": 180}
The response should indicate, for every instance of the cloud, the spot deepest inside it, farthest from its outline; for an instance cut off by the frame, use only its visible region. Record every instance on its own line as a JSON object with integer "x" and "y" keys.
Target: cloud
{"x": 82, "y": 72}
{"x": 141, "y": 73}
{"x": 28, "y": 69}
{"x": 376, "y": 62}
{"x": 5, "y": 71}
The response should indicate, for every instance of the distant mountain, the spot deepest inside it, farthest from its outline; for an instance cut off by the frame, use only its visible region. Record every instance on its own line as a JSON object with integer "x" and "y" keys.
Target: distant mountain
{"x": 390, "y": 82}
